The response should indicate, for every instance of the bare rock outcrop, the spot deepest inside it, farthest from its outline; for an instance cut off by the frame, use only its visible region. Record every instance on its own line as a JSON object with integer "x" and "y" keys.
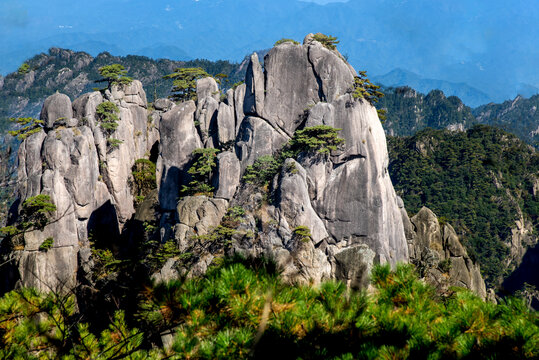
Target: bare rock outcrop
{"x": 86, "y": 179}
{"x": 176, "y": 124}
{"x": 323, "y": 216}
{"x": 440, "y": 257}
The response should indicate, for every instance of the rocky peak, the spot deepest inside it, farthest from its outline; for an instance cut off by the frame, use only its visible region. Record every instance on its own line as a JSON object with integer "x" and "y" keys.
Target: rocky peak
{"x": 87, "y": 179}
{"x": 436, "y": 250}
{"x": 318, "y": 215}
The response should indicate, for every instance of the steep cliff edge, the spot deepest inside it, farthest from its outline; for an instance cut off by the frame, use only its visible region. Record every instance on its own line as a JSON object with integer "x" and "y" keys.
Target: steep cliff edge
{"x": 345, "y": 199}
{"x": 320, "y": 215}
{"x": 71, "y": 160}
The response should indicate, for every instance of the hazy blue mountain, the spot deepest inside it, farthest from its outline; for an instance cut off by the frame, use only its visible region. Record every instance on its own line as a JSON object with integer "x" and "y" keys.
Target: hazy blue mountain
{"x": 519, "y": 116}
{"x": 527, "y": 90}
{"x": 400, "y": 77}
{"x": 163, "y": 51}
{"x": 490, "y": 46}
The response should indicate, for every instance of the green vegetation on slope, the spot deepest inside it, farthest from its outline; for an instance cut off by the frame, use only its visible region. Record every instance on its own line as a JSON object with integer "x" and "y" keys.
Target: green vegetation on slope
{"x": 243, "y": 310}
{"x": 519, "y": 116}
{"x": 409, "y": 111}
{"x": 74, "y": 73}
{"x": 479, "y": 180}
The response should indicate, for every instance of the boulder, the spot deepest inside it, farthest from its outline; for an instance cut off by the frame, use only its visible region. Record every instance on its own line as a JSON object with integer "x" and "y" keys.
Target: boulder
{"x": 207, "y": 87}
{"x": 55, "y": 107}
{"x": 353, "y": 266}
{"x": 197, "y": 215}
{"x": 163, "y": 104}
{"x": 440, "y": 257}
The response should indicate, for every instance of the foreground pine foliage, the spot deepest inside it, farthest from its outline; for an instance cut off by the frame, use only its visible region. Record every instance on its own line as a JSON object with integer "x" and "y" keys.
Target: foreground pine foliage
{"x": 240, "y": 310}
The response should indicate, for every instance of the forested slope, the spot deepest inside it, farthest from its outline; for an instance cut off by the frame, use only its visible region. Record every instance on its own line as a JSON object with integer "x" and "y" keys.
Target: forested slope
{"x": 483, "y": 181}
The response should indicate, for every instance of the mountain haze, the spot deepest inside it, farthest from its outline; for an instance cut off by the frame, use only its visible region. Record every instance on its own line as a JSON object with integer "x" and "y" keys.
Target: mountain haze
{"x": 460, "y": 42}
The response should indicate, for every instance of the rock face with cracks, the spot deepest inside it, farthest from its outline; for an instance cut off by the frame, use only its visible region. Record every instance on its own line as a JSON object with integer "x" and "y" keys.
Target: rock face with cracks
{"x": 87, "y": 180}
{"x": 322, "y": 216}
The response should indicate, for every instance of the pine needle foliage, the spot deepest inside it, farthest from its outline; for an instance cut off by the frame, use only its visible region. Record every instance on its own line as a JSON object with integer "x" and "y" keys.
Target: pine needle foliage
{"x": 318, "y": 140}
{"x": 282, "y": 41}
{"x": 243, "y": 310}
{"x": 107, "y": 115}
{"x": 302, "y": 233}
{"x": 35, "y": 214}
{"x": 46, "y": 244}
{"x": 184, "y": 82}
{"x": 330, "y": 42}
{"x": 364, "y": 89}
{"x": 114, "y": 74}
{"x": 23, "y": 69}
{"x": 321, "y": 139}
{"x": 144, "y": 179}
{"x": 201, "y": 172}
{"x": 27, "y": 127}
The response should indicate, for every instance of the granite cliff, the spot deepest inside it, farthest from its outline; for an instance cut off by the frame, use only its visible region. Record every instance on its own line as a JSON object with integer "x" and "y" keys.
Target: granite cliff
{"x": 322, "y": 216}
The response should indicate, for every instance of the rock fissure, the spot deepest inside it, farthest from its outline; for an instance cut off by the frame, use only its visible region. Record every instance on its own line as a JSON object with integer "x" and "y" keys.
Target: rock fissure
{"x": 321, "y": 96}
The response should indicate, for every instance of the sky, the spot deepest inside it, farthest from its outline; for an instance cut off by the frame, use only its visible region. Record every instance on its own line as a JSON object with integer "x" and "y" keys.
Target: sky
{"x": 490, "y": 45}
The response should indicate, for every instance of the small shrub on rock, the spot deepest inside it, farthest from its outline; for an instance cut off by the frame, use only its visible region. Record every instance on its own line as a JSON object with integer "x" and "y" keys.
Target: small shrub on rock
{"x": 329, "y": 42}
{"x": 201, "y": 172}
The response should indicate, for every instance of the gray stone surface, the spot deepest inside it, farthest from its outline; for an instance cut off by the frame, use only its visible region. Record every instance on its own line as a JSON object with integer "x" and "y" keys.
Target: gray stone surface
{"x": 206, "y": 116}
{"x": 198, "y": 215}
{"x": 56, "y": 106}
{"x": 227, "y": 176}
{"x": 439, "y": 254}
{"x": 254, "y": 88}
{"x": 256, "y": 137}
{"x": 226, "y": 132}
{"x": 163, "y": 104}
{"x": 353, "y": 265}
{"x": 291, "y": 86}
{"x": 179, "y": 138}
{"x": 72, "y": 164}
{"x": 239, "y": 96}
{"x": 332, "y": 70}
{"x": 292, "y": 199}
{"x": 207, "y": 87}
{"x": 345, "y": 198}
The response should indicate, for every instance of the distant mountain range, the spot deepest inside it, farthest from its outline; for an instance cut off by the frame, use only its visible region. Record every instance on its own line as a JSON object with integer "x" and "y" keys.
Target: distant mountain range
{"x": 408, "y": 110}
{"x": 455, "y": 42}
{"x": 400, "y": 77}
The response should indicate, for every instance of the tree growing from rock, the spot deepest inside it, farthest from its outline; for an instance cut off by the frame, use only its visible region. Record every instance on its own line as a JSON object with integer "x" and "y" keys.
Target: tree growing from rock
{"x": 143, "y": 178}
{"x": 330, "y": 42}
{"x": 114, "y": 74}
{"x": 27, "y": 127}
{"x": 321, "y": 139}
{"x": 23, "y": 69}
{"x": 201, "y": 172}
{"x": 35, "y": 214}
{"x": 364, "y": 89}
{"x": 107, "y": 115}
{"x": 184, "y": 82}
